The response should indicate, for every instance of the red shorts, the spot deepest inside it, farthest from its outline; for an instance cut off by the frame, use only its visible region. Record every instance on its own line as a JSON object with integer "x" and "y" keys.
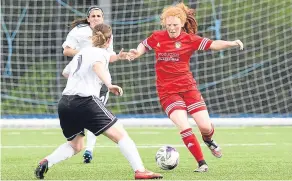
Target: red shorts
{"x": 191, "y": 101}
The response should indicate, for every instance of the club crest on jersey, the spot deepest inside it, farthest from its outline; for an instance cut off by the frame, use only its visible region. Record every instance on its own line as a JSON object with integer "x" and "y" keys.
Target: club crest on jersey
{"x": 177, "y": 44}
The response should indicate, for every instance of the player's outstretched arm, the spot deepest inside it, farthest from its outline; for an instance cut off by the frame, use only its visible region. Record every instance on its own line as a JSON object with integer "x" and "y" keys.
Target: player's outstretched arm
{"x": 221, "y": 44}
{"x": 136, "y": 53}
{"x": 121, "y": 56}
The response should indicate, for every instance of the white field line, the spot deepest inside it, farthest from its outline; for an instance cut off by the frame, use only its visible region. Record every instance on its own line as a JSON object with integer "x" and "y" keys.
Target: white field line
{"x": 176, "y": 180}
{"x": 134, "y": 122}
{"x": 134, "y": 133}
{"x": 145, "y": 145}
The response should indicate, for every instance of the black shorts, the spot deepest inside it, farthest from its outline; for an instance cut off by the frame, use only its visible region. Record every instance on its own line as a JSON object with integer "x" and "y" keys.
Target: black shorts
{"x": 77, "y": 113}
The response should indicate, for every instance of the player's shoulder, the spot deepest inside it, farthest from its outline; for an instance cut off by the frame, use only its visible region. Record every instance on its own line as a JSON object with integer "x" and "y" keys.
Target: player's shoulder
{"x": 80, "y": 28}
{"x": 92, "y": 53}
{"x": 96, "y": 51}
{"x": 91, "y": 49}
{"x": 82, "y": 25}
{"x": 193, "y": 37}
{"x": 159, "y": 33}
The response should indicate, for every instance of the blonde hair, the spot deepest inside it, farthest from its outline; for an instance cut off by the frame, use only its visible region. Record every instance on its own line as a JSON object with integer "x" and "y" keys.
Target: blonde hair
{"x": 101, "y": 34}
{"x": 184, "y": 13}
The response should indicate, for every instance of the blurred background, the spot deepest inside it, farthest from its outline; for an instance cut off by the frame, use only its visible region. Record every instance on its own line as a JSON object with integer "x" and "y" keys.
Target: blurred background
{"x": 241, "y": 88}
{"x": 255, "y": 82}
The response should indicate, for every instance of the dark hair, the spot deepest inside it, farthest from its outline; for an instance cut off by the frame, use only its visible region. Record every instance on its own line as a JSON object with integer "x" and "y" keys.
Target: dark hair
{"x": 84, "y": 20}
{"x": 93, "y": 8}
{"x": 78, "y": 22}
{"x": 101, "y": 34}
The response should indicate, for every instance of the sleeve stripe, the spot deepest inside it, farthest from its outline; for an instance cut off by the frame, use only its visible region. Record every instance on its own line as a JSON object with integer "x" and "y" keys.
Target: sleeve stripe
{"x": 146, "y": 44}
{"x": 203, "y": 44}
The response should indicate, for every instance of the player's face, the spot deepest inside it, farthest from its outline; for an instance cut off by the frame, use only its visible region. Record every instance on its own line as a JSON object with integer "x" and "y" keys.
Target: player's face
{"x": 95, "y": 18}
{"x": 173, "y": 26}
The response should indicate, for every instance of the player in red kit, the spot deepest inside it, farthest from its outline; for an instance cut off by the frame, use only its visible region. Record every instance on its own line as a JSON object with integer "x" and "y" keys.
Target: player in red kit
{"x": 176, "y": 86}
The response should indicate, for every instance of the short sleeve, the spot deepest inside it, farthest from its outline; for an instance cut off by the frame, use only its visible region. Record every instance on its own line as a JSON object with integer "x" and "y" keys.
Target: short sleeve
{"x": 150, "y": 42}
{"x": 200, "y": 43}
{"x": 71, "y": 40}
{"x": 97, "y": 55}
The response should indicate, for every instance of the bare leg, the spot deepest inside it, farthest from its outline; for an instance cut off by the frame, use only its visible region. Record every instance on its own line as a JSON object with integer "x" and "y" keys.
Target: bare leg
{"x": 207, "y": 130}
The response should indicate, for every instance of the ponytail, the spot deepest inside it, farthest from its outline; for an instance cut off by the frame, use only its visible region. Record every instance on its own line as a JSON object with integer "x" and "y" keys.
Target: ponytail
{"x": 191, "y": 25}
{"x": 101, "y": 34}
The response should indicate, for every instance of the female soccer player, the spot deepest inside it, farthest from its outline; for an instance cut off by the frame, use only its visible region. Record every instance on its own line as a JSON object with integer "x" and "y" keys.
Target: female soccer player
{"x": 176, "y": 87}
{"x": 78, "y": 38}
{"x": 80, "y": 108}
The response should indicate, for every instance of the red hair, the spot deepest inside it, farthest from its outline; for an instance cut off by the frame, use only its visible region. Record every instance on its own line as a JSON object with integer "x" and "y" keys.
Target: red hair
{"x": 184, "y": 13}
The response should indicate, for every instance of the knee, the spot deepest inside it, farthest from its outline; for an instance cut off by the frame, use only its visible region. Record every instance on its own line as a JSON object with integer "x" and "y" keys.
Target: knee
{"x": 117, "y": 136}
{"x": 205, "y": 128}
{"x": 77, "y": 147}
{"x": 115, "y": 133}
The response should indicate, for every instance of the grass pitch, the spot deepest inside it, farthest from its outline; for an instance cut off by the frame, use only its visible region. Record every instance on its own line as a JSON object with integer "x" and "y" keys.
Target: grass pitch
{"x": 249, "y": 153}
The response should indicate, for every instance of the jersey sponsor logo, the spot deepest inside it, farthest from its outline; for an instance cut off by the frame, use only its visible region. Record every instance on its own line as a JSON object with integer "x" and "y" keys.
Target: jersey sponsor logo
{"x": 177, "y": 44}
{"x": 174, "y": 57}
{"x": 158, "y": 44}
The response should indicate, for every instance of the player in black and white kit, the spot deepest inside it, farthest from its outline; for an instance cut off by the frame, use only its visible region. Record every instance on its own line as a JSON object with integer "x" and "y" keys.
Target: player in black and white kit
{"x": 78, "y": 38}
{"x": 80, "y": 108}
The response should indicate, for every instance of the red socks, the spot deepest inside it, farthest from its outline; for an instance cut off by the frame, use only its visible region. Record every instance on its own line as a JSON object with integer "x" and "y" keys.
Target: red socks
{"x": 192, "y": 144}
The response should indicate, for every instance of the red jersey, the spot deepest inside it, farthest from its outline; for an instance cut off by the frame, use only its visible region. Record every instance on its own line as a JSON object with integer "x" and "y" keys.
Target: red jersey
{"x": 173, "y": 55}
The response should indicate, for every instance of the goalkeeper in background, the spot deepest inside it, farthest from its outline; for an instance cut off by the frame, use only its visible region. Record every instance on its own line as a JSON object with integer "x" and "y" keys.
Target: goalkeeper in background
{"x": 80, "y": 108}
{"x": 176, "y": 87}
{"x": 78, "y": 38}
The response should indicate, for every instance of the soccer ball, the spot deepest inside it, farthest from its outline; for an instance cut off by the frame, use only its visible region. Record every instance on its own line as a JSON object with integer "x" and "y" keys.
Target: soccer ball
{"x": 167, "y": 158}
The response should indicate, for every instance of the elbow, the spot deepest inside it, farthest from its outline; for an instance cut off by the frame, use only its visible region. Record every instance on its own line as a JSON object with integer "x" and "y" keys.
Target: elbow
{"x": 215, "y": 48}
{"x": 65, "y": 52}
{"x": 113, "y": 58}
{"x": 220, "y": 45}
{"x": 218, "y": 48}
{"x": 66, "y": 75}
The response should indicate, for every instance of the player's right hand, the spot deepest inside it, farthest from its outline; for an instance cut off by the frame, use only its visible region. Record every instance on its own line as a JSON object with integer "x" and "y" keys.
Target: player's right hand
{"x": 133, "y": 53}
{"x": 118, "y": 91}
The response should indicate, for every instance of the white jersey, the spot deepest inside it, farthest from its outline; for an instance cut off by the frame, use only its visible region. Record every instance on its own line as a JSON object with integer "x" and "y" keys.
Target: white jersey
{"x": 82, "y": 80}
{"x": 80, "y": 37}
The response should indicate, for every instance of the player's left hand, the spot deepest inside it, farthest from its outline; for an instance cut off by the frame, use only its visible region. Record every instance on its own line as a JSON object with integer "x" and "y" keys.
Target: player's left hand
{"x": 240, "y": 44}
